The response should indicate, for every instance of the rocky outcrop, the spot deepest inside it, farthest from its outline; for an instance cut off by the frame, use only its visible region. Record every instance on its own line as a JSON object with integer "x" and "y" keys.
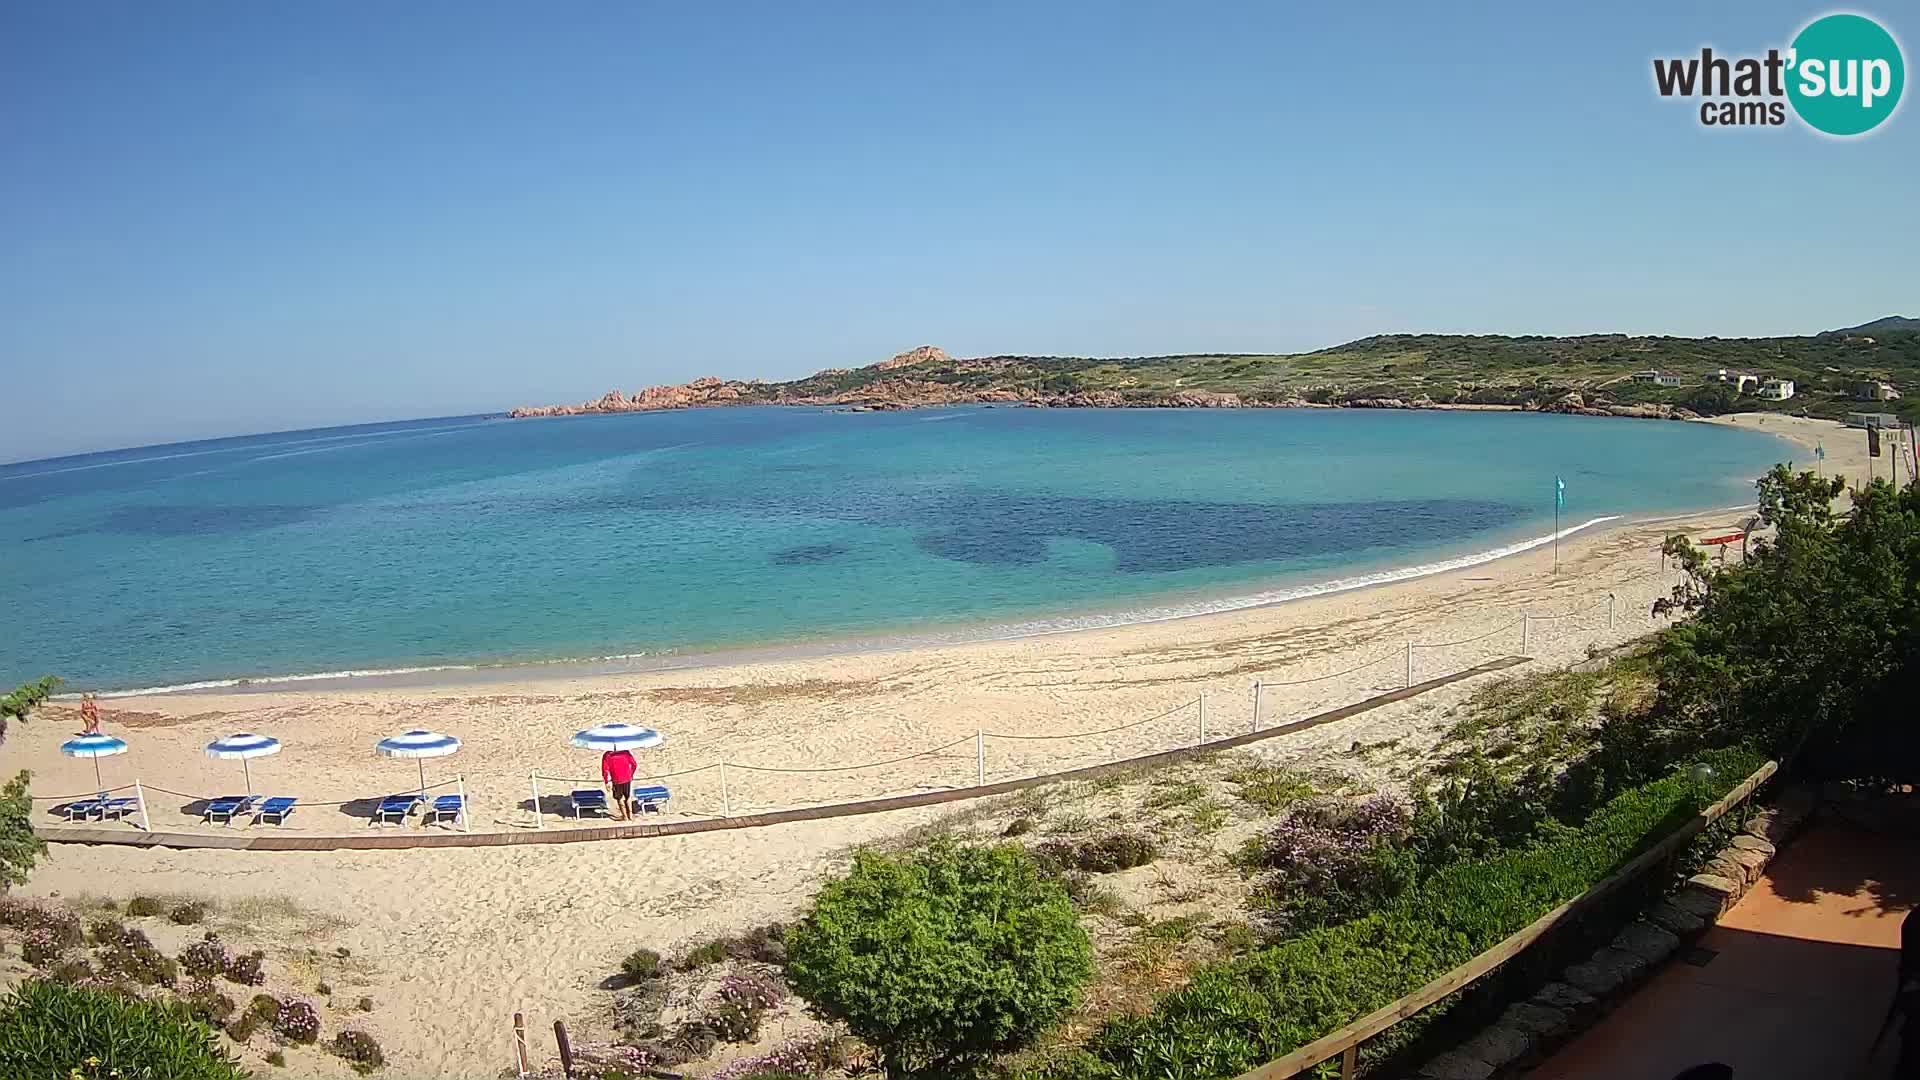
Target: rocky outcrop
{"x": 926, "y": 376}
{"x": 925, "y": 354}
{"x": 699, "y": 392}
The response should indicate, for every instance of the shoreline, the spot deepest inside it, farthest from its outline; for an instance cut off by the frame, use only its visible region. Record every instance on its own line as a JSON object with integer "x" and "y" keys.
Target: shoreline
{"x": 533, "y": 919}
{"x": 1169, "y": 606}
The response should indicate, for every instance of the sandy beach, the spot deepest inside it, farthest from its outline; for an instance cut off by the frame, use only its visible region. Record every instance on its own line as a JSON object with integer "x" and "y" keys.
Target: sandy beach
{"x": 451, "y": 943}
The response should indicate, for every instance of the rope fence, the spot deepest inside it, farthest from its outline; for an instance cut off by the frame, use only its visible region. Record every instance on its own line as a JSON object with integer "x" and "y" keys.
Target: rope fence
{"x": 727, "y": 804}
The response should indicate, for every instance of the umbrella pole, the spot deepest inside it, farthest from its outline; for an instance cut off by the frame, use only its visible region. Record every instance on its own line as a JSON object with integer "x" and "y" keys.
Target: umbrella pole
{"x": 246, "y": 770}
{"x": 97, "y": 782}
{"x": 423, "y": 776}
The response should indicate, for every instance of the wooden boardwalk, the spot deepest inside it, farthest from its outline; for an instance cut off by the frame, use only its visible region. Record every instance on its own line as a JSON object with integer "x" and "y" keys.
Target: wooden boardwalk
{"x": 284, "y": 841}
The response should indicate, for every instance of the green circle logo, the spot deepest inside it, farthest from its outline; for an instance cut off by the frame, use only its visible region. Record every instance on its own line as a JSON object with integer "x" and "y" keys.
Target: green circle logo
{"x": 1845, "y": 74}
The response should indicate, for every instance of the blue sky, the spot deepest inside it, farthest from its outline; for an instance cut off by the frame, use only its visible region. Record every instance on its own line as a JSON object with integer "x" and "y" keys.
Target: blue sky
{"x": 228, "y": 217}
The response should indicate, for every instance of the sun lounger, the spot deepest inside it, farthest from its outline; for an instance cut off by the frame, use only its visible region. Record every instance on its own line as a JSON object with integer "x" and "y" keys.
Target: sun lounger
{"x": 81, "y": 809}
{"x": 445, "y": 808}
{"x": 225, "y": 808}
{"x": 276, "y": 808}
{"x": 651, "y": 798}
{"x": 394, "y": 808}
{"x": 117, "y": 808}
{"x": 589, "y": 799}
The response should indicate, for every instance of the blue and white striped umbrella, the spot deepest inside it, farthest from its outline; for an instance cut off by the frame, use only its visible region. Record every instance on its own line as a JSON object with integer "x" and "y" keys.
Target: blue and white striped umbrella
{"x": 417, "y": 744}
{"x": 243, "y": 745}
{"x": 95, "y": 747}
{"x": 616, "y": 737}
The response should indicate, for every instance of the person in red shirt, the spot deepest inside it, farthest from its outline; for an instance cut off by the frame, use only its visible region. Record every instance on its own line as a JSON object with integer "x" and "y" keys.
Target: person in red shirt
{"x": 616, "y": 771}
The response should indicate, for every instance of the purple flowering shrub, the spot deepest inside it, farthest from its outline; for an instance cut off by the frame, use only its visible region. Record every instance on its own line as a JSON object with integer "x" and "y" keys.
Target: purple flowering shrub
{"x": 298, "y": 1020}
{"x": 1330, "y": 861}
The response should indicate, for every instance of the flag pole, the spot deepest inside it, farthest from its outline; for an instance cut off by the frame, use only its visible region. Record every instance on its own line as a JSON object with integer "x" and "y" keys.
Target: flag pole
{"x": 1557, "y": 489}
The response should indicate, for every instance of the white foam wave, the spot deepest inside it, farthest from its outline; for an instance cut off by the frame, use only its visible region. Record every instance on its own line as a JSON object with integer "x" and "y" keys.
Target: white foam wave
{"x": 351, "y": 673}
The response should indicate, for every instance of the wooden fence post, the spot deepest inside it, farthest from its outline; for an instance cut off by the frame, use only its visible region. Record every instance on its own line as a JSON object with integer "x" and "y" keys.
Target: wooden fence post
{"x": 1256, "y": 704}
{"x": 533, "y": 781}
{"x": 521, "y": 1063}
{"x": 566, "y": 1048}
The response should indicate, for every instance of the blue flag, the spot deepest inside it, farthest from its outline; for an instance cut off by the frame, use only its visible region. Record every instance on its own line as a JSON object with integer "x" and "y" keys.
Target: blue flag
{"x": 1820, "y": 451}
{"x": 1559, "y": 492}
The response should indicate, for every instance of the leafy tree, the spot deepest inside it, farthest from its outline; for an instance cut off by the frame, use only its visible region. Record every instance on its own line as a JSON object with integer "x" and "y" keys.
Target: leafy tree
{"x": 1816, "y": 630}
{"x": 20, "y": 701}
{"x": 53, "y": 1030}
{"x": 943, "y": 958}
{"x": 20, "y": 846}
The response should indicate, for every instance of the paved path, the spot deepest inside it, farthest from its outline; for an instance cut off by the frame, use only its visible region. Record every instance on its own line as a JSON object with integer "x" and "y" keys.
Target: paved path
{"x": 1791, "y": 985}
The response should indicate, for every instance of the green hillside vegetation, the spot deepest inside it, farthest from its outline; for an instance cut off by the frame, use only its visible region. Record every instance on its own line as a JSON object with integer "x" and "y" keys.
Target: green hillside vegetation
{"x": 1445, "y": 369}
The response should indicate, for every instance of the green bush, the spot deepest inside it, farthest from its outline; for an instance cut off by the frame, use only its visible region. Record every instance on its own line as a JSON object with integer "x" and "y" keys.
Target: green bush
{"x": 209, "y": 1006}
{"x": 189, "y": 913}
{"x": 1239, "y": 1013}
{"x": 135, "y": 957}
{"x": 942, "y": 958}
{"x": 48, "y": 1028}
{"x": 144, "y": 906}
{"x": 359, "y": 1049}
{"x": 640, "y": 964}
{"x": 1101, "y": 855}
{"x": 734, "y": 1021}
{"x": 713, "y": 952}
{"x": 20, "y": 846}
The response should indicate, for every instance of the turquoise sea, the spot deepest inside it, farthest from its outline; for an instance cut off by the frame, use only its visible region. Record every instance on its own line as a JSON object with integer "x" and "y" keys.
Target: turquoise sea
{"x": 483, "y": 541}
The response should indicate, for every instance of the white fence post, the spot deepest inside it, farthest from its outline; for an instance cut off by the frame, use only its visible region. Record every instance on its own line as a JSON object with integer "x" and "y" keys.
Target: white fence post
{"x": 980, "y": 754}
{"x": 726, "y": 800}
{"x": 466, "y": 808}
{"x": 1256, "y": 704}
{"x": 533, "y": 781}
{"x": 1203, "y": 719}
{"x": 140, "y": 793}
{"x": 1409, "y": 663}
{"x": 1609, "y": 611}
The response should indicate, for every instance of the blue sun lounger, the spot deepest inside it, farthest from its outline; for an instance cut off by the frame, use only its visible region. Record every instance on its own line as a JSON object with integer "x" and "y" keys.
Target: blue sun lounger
{"x": 445, "y": 808}
{"x": 82, "y": 809}
{"x": 116, "y": 808}
{"x": 394, "y": 808}
{"x": 651, "y": 798}
{"x": 276, "y": 808}
{"x": 225, "y": 808}
{"x": 589, "y": 799}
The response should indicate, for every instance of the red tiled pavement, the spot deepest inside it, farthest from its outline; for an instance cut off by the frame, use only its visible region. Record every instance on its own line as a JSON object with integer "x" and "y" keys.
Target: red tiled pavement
{"x": 1801, "y": 977}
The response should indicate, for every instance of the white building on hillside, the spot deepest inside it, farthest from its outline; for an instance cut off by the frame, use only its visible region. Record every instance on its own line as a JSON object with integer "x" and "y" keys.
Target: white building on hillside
{"x": 1776, "y": 389}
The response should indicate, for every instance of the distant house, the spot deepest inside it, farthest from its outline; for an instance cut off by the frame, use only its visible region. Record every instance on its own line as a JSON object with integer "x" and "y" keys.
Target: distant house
{"x": 1741, "y": 383}
{"x": 1874, "y": 390}
{"x": 1872, "y": 420}
{"x": 1776, "y": 389}
{"x": 1658, "y": 378}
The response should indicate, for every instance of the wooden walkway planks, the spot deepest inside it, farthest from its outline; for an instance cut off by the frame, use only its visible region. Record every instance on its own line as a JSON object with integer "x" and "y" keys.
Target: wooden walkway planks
{"x": 268, "y": 841}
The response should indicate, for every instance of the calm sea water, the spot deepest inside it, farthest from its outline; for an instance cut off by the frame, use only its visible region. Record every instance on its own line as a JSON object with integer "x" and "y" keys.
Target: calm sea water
{"x": 464, "y": 541}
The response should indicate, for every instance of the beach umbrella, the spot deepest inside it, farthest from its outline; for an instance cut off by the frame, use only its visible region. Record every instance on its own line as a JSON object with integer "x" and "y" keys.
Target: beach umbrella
{"x": 616, "y": 737}
{"x": 243, "y": 745}
{"x": 95, "y": 747}
{"x": 417, "y": 744}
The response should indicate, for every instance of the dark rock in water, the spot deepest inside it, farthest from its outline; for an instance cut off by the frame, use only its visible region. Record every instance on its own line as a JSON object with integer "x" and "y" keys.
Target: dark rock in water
{"x": 808, "y": 553}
